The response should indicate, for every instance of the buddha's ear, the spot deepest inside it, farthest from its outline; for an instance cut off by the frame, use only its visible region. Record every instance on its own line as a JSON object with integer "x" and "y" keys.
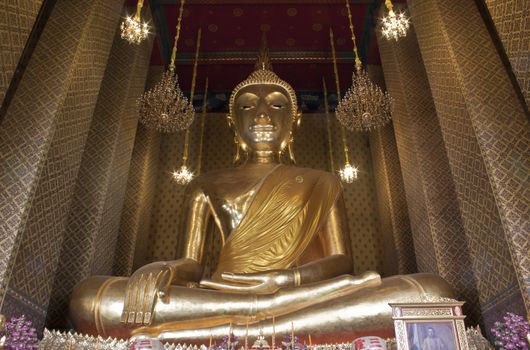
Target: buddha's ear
{"x": 230, "y": 121}
{"x": 297, "y": 120}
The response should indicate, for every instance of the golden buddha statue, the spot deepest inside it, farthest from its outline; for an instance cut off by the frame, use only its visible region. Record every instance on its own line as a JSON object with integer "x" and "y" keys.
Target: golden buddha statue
{"x": 284, "y": 259}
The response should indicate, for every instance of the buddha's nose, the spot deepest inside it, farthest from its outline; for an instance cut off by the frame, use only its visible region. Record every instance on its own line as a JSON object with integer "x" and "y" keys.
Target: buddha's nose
{"x": 262, "y": 118}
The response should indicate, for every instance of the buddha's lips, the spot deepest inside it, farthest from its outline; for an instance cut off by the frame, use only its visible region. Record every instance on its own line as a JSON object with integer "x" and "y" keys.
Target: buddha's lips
{"x": 262, "y": 128}
{"x": 262, "y": 133}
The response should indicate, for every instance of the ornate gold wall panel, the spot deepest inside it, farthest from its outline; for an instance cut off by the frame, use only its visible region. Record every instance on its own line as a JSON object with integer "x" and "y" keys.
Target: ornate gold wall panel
{"x": 410, "y": 165}
{"x": 488, "y": 140}
{"x": 33, "y": 116}
{"x": 311, "y": 151}
{"x": 136, "y": 215}
{"x": 91, "y": 231}
{"x": 108, "y": 232}
{"x": 392, "y": 200}
{"x": 168, "y": 202}
{"x": 512, "y": 21}
{"x": 414, "y": 114}
{"x": 16, "y": 20}
{"x": 141, "y": 185}
{"x": 38, "y": 255}
{"x": 392, "y": 203}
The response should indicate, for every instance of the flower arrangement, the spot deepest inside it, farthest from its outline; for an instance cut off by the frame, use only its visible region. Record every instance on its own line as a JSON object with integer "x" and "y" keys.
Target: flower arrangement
{"x": 511, "y": 334}
{"x": 229, "y": 343}
{"x": 20, "y": 334}
{"x": 287, "y": 343}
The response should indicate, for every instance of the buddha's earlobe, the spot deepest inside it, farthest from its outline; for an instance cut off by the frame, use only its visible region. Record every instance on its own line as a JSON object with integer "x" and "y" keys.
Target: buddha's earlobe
{"x": 290, "y": 148}
{"x": 237, "y": 156}
{"x": 297, "y": 120}
{"x": 230, "y": 121}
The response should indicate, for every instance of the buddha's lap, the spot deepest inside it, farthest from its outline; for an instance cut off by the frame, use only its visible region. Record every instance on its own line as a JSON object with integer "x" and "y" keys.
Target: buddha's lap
{"x": 184, "y": 302}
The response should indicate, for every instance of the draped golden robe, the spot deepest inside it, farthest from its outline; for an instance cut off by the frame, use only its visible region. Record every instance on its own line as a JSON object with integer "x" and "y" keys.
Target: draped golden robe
{"x": 288, "y": 210}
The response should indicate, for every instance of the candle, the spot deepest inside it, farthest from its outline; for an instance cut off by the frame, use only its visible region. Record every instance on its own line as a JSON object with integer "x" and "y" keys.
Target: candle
{"x": 273, "y": 334}
{"x": 310, "y": 340}
{"x": 70, "y": 345}
{"x": 210, "y": 344}
{"x": 230, "y": 336}
{"x": 292, "y": 335}
{"x": 97, "y": 343}
{"x": 246, "y": 338}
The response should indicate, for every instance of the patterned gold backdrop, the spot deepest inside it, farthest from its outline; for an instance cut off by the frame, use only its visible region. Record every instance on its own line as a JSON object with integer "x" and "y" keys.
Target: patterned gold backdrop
{"x": 17, "y": 17}
{"x": 512, "y": 21}
{"x": 311, "y": 151}
{"x": 42, "y": 137}
{"x": 487, "y": 134}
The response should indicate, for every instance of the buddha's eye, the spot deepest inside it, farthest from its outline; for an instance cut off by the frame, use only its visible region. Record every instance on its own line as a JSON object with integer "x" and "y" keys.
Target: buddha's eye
{"x": 277, "y": 106}
{"x": 246, "y": 107}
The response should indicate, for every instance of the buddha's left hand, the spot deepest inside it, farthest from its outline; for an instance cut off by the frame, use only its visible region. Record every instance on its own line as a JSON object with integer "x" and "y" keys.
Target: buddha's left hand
{"x": 261, "y": 283}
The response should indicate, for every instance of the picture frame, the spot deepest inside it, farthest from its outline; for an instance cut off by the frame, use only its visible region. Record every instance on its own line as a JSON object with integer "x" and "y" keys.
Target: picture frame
{"x": 431, "y": 323}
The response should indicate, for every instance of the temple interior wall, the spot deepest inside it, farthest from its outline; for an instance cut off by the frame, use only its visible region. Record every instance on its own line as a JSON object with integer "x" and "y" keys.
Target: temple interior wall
{"x": 440, "y": 238}
{"x": 85, "y": 190}
{"x": 398, "y": 245}
{"x": 477, "y": 115}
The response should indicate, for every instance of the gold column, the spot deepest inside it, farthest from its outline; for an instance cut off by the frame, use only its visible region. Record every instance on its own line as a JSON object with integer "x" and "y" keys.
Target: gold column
{"x": 438, "y": 228}
{"x": 392, "y": 203}
{"x": 139, "y": 198}
{"x": 487, "y": 134}
{"x": 92, "y": 228}
{"x": 41, "y": 142}
{"x": 201, "y": 127}
{"x": 328, "y": 127}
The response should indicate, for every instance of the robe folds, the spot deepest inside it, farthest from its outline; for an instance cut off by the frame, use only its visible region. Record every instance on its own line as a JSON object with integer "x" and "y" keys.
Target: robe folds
{"x": 288, "y": 210}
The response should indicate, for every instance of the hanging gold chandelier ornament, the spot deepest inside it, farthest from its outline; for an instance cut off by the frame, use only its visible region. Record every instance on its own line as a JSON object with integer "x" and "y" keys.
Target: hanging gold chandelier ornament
{"x": 348, "y": 173}
{"x": 133, "y": 29}
{"x": 203, "y": 122}
{"x": 365, "y": 106}
{"x": 184, "y": 175}
{"x": 394, "y": 26}
{"x": 328, "y": 126}
{"x": 164, "y": 107}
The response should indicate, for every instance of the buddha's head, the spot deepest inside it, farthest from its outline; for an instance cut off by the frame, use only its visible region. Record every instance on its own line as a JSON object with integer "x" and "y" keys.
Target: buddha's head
{"x": 263, "y": 110}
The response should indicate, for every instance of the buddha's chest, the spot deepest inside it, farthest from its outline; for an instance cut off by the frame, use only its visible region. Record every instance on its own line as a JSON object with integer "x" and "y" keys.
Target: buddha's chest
{"x": 231, "y": 198}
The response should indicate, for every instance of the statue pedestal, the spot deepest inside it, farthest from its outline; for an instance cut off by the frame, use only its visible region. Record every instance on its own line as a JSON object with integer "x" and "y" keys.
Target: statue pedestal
{"x": 54, "y": 340}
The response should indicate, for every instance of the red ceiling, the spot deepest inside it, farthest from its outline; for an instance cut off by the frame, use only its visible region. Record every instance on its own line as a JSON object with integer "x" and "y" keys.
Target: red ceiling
{"x": 297, "y": 34}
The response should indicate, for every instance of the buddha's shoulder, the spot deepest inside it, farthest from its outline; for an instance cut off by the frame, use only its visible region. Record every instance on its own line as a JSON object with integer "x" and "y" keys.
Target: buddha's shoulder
{"x": 214, "y": 177}
{"x": 233, "y": 176}
{"x": 217, "y": 174}
{"x": 322, "y": 175}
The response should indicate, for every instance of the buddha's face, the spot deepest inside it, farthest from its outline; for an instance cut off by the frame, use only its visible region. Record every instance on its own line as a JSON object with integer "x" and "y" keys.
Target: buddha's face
{"x": 262, "y": 117}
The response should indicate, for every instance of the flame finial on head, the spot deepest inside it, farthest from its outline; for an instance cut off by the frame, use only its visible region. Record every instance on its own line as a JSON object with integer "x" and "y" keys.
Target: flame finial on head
{"x": 263, "y": 62}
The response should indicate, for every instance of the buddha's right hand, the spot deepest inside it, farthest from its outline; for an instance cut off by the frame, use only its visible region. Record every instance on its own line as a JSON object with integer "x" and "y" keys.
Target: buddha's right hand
{"x": 144, "y": 288}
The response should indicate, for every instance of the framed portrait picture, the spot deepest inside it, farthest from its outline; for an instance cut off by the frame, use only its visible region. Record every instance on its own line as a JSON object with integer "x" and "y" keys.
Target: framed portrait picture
{"x": 429, "y": 325}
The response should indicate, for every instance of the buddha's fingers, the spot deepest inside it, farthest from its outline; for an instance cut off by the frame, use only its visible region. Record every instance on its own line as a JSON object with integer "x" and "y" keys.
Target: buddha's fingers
{"x": 165, "y": 284}
{"x": 128, "y": 314}
{"x": 147, "y": 301}
{"x": 140, "y": 293}
{"x": 127, "y": 303}
{"x": 243, "y": 278}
